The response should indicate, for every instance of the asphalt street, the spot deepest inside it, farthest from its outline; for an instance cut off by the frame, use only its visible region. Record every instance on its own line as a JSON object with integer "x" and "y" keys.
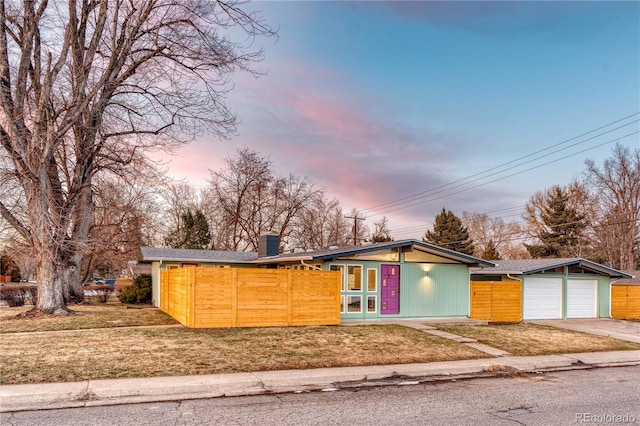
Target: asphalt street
{"x": 599, "y": 396}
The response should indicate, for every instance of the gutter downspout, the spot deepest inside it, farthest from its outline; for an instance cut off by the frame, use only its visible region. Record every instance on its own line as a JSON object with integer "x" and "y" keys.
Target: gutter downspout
{"x": 610, "y": 300}
{"x": 314, "y": 267}
{"x": 513, "y": 278}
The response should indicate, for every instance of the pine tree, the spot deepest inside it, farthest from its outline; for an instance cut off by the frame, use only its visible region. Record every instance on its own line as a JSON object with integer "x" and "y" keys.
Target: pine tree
{"x": 563, "y": 226}
{"x": 191, "y": 233}
{"x": 449, "y": 233}
{"x": 490, "y": 252}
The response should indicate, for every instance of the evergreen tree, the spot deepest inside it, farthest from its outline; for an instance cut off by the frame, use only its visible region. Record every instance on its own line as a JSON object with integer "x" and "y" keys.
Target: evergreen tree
{"x": 490, "y": 252}
{"x": 563, "y": 227}
{"x": 191, "y": 233}
{"x": 449, "y": 233}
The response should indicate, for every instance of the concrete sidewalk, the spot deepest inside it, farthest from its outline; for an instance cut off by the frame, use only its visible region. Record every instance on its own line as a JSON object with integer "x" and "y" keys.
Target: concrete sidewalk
{"x": 131, "y": 391}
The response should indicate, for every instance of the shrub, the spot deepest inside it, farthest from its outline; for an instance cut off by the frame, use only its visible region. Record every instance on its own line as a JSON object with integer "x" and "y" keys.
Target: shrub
{"x": 98, "y": 293}
{"x": 17, "y": 295}
{"x": 138, "y": 292}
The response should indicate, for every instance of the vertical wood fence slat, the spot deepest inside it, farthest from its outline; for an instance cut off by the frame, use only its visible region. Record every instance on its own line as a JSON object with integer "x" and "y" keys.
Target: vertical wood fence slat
{"x": 496, "y": 301}
{"x": 625, "y": 301}
{"x": 289, "y": 297}
{"x": 232, "y": 297}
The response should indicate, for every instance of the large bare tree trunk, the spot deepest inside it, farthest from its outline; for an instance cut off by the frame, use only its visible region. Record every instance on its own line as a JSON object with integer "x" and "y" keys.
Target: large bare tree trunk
{"x": 85, "y": 87}
{"x": 80, "y": 236}
{"x": 50, "y": 289}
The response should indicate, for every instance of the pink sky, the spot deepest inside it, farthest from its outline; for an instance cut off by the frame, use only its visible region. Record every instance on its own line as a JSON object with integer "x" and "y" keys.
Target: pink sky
{"x": 374, "y": 102}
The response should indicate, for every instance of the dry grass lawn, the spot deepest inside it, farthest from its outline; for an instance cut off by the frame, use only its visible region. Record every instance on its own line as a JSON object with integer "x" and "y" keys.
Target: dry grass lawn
{"x": 531, "y": 339}
{"x": 92, "y": 344}
{"x": 86, "y": 316}
{"x": 118, "y": 352}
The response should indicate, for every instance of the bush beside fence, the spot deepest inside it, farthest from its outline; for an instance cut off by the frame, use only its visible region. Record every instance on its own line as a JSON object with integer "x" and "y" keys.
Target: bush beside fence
{"x": 18, "y": 295}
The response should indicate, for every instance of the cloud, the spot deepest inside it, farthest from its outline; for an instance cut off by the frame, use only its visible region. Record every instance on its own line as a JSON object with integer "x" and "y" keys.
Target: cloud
{"x": 510, "y": 17}
{"x": 316, "y": 123}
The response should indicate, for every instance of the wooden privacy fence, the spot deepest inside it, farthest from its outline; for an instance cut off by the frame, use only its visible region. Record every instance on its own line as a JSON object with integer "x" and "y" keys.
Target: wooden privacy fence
{"x": 496, "y": 301}
{"x": 625, "y": 301}
{"x": 250, "y": 297}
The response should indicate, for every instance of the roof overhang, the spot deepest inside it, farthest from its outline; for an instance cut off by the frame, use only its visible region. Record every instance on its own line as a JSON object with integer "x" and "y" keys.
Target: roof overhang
{"x": 154, "y": 254}
{"x": 194, "y": 260}
{"x": 583, "y": 263}
{"x": 329, "y": 255}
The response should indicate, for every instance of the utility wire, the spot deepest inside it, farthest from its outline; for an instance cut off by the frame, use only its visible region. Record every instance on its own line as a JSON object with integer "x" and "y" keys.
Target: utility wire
{"x": 414, "y": 197}
{"x": 417, "y": 203}
{"x": 524, "y": 237}
{"x": 489, "y": 214}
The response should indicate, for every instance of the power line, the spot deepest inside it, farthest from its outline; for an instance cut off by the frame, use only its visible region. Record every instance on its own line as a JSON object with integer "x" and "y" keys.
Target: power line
{"x": 413, "y": 204}
{"x": 489, "y": 214}
{"x": 384, "y": 207}
{"x": 602, "y": 225}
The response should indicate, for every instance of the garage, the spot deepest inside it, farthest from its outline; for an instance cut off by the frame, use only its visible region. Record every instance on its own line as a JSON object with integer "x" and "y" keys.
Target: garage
{"x": 542, "y": 298}
{"x": 552, "y": 288}
{"x": 582, "y": 297}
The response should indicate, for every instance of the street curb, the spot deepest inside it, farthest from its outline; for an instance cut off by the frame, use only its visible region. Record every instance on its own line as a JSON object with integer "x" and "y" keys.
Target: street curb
{"x": 161, "y": 389}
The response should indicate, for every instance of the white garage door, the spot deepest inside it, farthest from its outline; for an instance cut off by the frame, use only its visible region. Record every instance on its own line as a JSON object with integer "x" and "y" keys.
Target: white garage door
{"x": 581, "y": 298}
{"x": 542, "y": 298}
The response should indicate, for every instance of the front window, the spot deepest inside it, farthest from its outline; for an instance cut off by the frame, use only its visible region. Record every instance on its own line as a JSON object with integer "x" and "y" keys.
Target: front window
{"x": 372, "y": 280}
{"x": 354, "y": 278}
{"x": 354, "y": 303}
{"x": 371, "y": 304}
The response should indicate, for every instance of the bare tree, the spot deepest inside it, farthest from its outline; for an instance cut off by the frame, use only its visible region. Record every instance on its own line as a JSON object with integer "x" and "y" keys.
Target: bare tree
{"x": 252, "y": 200}
{"x": 381, "y": 231}
{"x": 123, "y": 221}
{"x": 178, "y": 198}
{"x": 86, "y": 85}
{"x": 242, "y": 192}
{"x": 617, "y": 185}
{"x": 506, "y": 237}
{"x": 321, "y": 224}
{"x": 22, "y": 256}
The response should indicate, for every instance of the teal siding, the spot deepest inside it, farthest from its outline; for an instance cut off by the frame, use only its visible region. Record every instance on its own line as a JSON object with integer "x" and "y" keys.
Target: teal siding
{"x": 434, "y": 290}
{"x": 426, "y": 290}
{"x": 155, "y": 284}
{"x": 604, "y": 297}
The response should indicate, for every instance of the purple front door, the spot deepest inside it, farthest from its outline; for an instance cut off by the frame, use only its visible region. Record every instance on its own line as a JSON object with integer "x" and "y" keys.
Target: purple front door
{"x": 390, "y": 287}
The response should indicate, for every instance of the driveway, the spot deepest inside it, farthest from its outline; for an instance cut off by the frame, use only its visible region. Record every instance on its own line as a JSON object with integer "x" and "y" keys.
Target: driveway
{"x": 618, "y": 329}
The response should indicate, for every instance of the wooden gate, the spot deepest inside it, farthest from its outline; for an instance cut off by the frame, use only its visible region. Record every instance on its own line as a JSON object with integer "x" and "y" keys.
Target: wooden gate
{"x": 496, "y": 301}
{"x": 625, "y": 301}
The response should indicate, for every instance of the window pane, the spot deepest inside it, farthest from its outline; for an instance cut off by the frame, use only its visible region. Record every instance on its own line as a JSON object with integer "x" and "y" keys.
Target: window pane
{"x": 354, "y": 304}
{"x": 371, "y": 304}
{"x": 341, "y": 303}
{"x": 354, "y": 278}
{"x": 372, "y": 279}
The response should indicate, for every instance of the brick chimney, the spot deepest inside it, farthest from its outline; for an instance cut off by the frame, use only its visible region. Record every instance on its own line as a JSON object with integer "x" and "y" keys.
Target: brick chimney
{"x": 268, "y": 245}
